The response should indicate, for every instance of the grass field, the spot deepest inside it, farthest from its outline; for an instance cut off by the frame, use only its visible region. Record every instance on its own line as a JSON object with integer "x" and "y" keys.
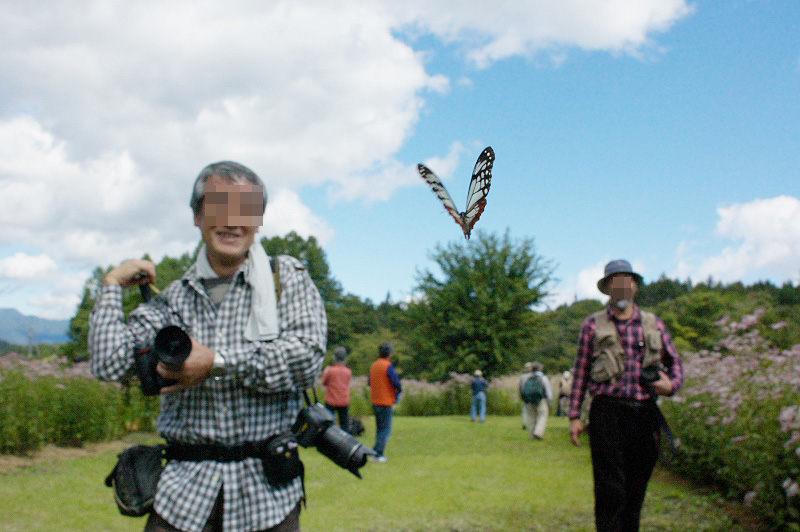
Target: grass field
{"x": 444, "y": 473}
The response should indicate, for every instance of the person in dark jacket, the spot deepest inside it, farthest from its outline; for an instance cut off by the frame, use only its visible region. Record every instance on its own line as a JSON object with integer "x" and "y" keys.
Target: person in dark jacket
{"x": 478, "y": 408}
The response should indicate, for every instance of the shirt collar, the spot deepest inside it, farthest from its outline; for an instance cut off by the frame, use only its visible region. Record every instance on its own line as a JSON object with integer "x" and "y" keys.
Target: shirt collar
{"x": 635, "y": 318}
{"x": 191, "y": 278}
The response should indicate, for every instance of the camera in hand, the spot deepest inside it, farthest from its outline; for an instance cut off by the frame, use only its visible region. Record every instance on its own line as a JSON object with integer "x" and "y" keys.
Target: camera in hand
{"x": 171, "y": 346}
{"x": 314, "y": 426}
{"x": 651, "y": 374}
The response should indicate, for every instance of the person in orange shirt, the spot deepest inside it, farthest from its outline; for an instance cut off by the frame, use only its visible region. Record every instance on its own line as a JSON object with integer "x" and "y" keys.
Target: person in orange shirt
{"x": 336, "y": 379}
{"x": 384, "y": 388}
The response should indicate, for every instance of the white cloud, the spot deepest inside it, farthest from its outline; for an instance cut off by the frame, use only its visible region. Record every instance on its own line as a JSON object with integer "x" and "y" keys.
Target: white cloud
{"x": 512, "y": 28}
{"x": 24, "y": 267}
{"x": 286, "y": 212}
{"x": 55, "y": 293}
{"x": 766, "y": 243}
{"x": 582, "y": 285}
{"x": 62, "y": 297}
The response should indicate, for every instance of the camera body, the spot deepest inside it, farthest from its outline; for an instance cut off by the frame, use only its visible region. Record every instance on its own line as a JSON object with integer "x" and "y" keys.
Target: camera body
{"x": 315, "y": 427}
{"x": 650, "y": 374}
{"x": 171, "y": 346}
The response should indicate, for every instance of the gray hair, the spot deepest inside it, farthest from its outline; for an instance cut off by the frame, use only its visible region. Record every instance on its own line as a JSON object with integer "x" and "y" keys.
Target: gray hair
{"x": 340, "y": 354}
{"x": 227, "y": 170}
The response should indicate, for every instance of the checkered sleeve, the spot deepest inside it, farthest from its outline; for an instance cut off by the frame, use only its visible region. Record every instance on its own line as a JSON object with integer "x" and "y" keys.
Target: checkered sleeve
{"x": 293, "y": 360}
{"x": 671, "y": 358}
{"x": 113, "y": 341}
{"x": 580, "y": 380}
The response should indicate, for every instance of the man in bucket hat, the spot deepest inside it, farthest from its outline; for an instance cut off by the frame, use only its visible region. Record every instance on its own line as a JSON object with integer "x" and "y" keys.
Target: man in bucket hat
{"x": 625, "y": 359}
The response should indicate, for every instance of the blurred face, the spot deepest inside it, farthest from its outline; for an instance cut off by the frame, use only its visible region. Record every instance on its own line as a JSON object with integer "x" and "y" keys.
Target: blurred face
{"x": 622, "y": 288}
{"x": 229, "y": 221}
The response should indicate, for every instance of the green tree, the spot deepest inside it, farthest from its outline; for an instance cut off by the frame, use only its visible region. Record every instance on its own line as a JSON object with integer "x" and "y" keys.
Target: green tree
{"x": 312, "y": 256}
{"x": 556, "y": 340}
{"x": 349, "y": 316}
{"x": 477, "y": 314}
{"x": 364, "y": 351}
{"x": 652, "y": 294}
{"x": 77, "y": 348}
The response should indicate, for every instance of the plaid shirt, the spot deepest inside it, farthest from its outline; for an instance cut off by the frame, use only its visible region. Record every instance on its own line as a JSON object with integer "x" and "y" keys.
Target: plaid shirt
{"x": 257, "y": 398}
{"x": 627, "y": 385}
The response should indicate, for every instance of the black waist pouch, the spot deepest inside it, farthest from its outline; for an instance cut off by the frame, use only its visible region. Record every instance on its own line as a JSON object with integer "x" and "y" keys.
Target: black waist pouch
{"x": 281, "y": 460}
{"x": 135, "y": 478}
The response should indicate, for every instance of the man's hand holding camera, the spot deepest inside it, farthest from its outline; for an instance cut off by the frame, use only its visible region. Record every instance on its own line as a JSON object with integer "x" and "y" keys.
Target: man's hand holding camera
{"x": 196, "y": 368}
{"x": 663, "y": 386}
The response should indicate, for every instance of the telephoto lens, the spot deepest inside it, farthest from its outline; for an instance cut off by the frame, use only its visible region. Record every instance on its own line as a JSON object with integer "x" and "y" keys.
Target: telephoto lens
{"x": 345, "y": 450}
{"x": 171, "y": 346}
{"x": 314, "y": 426}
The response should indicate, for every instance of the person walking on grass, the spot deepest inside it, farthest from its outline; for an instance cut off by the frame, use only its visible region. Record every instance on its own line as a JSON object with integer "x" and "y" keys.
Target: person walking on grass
{"x": 625, "y": 359}
{"x": 384, "y": 388}
{"x": 478, "y": 407}
{"x": 528, "y": 371}
{"x": 536, "y": 396}
{"x": 336, "y": 379}
{"x": 564, "y": 389}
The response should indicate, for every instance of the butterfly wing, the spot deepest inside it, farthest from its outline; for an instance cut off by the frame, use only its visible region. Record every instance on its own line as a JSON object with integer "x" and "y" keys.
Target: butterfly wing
{"x": 441, "y": 192}
{"x": 478, "y": 189}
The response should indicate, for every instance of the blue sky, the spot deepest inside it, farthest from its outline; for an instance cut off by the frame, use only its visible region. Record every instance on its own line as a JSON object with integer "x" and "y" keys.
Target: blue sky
{"x": 662, "y": 131}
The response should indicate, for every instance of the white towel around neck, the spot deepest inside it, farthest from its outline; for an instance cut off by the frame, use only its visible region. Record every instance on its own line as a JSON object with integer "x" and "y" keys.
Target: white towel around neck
{"x": 263, "y": 322}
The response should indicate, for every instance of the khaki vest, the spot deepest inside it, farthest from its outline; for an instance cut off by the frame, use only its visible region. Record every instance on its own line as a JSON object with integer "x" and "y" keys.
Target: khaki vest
{"x": 608, "y": 356}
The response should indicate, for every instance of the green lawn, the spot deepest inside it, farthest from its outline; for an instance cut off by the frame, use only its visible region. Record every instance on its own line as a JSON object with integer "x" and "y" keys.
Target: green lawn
{"x": 444, "y": 473}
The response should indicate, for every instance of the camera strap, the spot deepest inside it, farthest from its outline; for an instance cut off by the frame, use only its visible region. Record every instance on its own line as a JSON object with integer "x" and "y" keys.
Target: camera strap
{"x": 308, "y": 401}
{"x": 663, "y": 426}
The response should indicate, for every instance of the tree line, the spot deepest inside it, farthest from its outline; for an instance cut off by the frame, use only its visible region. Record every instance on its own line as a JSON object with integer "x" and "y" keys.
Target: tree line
{"x": 478, "y": 307}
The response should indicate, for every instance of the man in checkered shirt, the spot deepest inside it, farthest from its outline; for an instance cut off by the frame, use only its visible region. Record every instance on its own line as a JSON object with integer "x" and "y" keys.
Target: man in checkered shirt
{"x": 625, "y": 360}
{"x": 258, "y": 340}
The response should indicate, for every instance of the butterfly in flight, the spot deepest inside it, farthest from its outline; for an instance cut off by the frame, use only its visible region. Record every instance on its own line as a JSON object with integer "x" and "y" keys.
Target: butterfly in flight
{"x": 476, "y": 197}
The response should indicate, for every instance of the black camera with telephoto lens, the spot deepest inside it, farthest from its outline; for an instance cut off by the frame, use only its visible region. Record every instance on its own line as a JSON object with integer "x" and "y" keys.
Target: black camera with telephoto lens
{"x": 314, "y": 426}
{"x": 171, "y": 346}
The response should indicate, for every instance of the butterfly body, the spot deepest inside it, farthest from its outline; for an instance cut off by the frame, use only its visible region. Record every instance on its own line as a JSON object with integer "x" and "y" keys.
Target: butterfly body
{"x": 476, "y": 196}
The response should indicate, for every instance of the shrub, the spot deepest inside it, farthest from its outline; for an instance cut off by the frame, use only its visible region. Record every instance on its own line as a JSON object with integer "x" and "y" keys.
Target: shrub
{"x": 739, "y": 421}
{"x": 66, "y": 411}
{"x": 20, "y": 412}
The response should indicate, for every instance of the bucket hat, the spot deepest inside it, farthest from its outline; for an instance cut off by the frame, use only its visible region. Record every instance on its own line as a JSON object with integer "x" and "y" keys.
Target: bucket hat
{"x": 616, "y": 267}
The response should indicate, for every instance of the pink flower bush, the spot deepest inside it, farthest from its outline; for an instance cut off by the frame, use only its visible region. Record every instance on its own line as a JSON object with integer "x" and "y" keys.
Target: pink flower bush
{"x": 739, "y": 417}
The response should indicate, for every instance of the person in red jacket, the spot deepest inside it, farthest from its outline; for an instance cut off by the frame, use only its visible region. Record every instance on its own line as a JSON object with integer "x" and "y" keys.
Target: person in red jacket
{"x": 336, "y": 379}
{"x": 384, "y": 387}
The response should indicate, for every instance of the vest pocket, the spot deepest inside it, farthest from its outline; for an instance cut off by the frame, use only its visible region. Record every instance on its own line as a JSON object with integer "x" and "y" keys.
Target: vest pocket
{"x": 654, "y": 346}
{"x": 606, "y": 366}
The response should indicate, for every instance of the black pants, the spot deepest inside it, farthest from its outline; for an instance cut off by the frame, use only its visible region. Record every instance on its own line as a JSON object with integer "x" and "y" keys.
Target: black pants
{"x": 623, "y": 436}
{"x": 344, "y": 415}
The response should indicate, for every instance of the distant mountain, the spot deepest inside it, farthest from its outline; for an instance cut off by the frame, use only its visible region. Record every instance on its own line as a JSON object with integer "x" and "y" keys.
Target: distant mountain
{"x": 16, "y": 328}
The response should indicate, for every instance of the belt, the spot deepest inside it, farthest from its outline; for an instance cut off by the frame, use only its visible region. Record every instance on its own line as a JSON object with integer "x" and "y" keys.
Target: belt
{"x": 199, "y": 452}
{"x": 625, "y": 401}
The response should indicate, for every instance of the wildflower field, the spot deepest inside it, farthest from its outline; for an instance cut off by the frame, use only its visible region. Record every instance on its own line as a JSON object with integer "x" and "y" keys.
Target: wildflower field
{"x": 738, "y": 420}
